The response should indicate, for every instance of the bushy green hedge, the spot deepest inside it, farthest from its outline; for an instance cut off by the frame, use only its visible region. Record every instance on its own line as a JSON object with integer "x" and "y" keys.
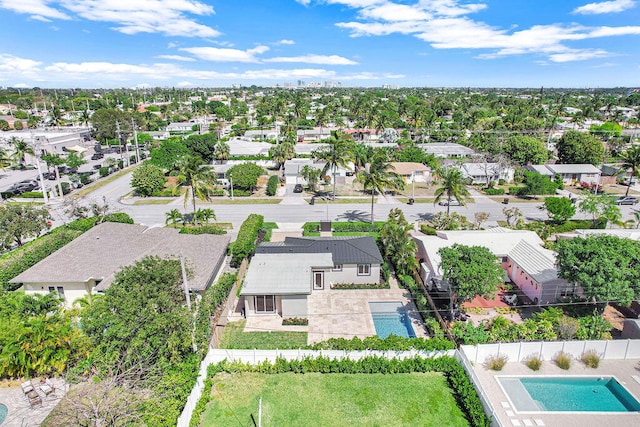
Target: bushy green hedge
{"x": 85, "y": 224}
{"x": 345, "y": 227}
{"x": 517, "y": 190}
{"x": 242, "y": 193}
{"x": 272, "y": 185}
{"x": 212, "y": 302}
{"x": 28, "y": 255}
{"x": 32, "y": 195}
{"x": 103, "y": 171}
{"x": 463, "y": 391}
{"x": 392, "y": 342}
{"x": 244, "y": 245}
{"x": 494, "y": 191}
{"x": 203, "y": 229}
{"x": 428, "y": 230}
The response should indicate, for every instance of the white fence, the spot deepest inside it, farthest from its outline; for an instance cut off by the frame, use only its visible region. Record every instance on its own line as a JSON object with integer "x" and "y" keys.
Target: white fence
{"x": 486, "y": 403}
{"x": 546, "y": 350}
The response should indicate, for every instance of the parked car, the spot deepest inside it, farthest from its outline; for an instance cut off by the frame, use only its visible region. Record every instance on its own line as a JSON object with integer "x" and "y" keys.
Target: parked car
{"x": 453, "y": 202}
{"x": 97, "y": 156}
{"x": 297, "y": 188}
{"x": 21, "y": 187}
{"x": 627, "y": 200}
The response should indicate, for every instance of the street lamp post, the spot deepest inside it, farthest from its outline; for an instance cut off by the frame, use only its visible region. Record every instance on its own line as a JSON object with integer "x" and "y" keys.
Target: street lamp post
{"x": 42, "y": 184}
{"x": 231, "y": 182}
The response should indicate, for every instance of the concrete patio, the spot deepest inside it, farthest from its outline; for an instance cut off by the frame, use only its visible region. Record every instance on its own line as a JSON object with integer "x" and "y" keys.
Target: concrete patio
{"x": 21, "y": 414}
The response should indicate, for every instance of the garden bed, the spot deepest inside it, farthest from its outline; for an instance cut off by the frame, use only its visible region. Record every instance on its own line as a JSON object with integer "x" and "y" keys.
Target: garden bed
{"x": 360, "y": 286}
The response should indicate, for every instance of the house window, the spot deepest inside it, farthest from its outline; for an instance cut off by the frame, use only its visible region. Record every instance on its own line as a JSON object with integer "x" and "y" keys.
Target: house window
{"x": 337, "y": 267}
{"x": 504, "y": 259}
{"x": 58, "y": 289}
{"x": 318, "y": 280}
{"x": 265, "y": 303}
{"x": 364, "y": 269}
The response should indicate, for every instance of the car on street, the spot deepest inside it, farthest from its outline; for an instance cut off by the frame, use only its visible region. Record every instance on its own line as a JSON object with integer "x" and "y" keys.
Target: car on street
{"x": 453, "y": 202}
{"x": 627, "y": 200}
{"x": 21, "y": 187}
{"x": 97, "y": 156}
{"x": 297, "y": 188}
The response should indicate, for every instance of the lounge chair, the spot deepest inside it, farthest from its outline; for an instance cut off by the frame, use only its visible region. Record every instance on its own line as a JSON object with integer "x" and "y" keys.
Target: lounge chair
{"x": 47, "y": 387}
{"x": 26, "y": 387}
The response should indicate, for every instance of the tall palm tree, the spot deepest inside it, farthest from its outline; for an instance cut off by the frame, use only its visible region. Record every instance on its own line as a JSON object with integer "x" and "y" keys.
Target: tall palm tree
{"x": 336, "y": 154}
{"x": 173, "y": 216}
{"x": 452, "y": 186}
{"x": 20, "y": 150}
{"x": 193, "y": 173}
{"x": 221, "y": 151}
{"x": 631, "y": 160}
{"x": 378, "y": 176}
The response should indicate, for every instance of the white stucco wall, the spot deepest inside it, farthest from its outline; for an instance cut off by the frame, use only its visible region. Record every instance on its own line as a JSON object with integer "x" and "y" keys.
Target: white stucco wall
{"x": 294, "y": 306}
{"x": 72, "y": 291}
{"x": 349, "y": 274}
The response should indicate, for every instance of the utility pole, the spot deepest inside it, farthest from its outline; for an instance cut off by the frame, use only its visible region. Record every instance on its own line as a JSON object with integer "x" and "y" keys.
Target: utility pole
{"x": 135, "y": 139}
{"x": 125, "y": 145}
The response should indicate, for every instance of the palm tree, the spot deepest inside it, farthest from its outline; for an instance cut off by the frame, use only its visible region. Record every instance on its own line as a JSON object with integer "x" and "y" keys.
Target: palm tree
{"x": 173, "y": 216}
{"x": 221, "y": 151}
{"x": 85, "y": 117}
{"x": 452, "y": 186}
{"x": 193, "y": 173}
{"x": 205, "y": 215}
{"x": 378, "y": 176}
{"x": 336, "y": 154}
{"x": 20, "y": 150}
{"x": 631, "y": 160}
{"x": 54, "y": 160}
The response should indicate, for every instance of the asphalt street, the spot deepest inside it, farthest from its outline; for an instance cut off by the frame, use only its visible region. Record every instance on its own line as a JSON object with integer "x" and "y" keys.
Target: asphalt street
{"x": 295, "y": 210}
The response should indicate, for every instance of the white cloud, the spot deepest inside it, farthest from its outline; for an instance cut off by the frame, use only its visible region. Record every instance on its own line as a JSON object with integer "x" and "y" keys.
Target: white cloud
{"x": 304, "y": 2}
{"x": 40, "y": 18}
{"x": 185, "y": 84}
{"x": 314, "y": 59}
{"x": 285, "y": 41}
{"x": 216, "y": 54}
{"x": 170, "y": 17}
{"x": 171, "y": 45}
{"x": 14, "y": 65}
{"x": 614, "y": 6}
{"x": 21, "y": 85}
{"x": 444, "y": 25}
{"x": 36, "y": 8}
{"x": 176, "y": 58}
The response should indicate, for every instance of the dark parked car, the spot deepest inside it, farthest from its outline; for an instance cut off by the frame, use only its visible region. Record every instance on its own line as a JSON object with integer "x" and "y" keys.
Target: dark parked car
{"x": 21, "y": 187}
{"x": 297, "y": 188}
{"x": 97, "y": 156}
{"x": 628, "y": 200}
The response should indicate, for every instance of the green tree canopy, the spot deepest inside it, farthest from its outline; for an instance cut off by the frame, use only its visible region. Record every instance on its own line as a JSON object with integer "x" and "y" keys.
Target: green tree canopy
{"x": 559, "y": 209}
{"x": 605, "y": 267}
{"x": 202, "y": 145}
{"x": 148, "y": 179}
{"x": 470, "y": 271}
{"x": 168, "y": 154}
{"x": 245, "y": 175}
{"x": 526, "y": 150}
{"x": 451, "y": 186}
{"x": 142, "y": 316}
{"x": 398, "y": 244}
{"x": 580, "y": 148}
{"x": 378, "y": 176}
{"x": 19, "y": 222}
{"x": 599, "y": 205}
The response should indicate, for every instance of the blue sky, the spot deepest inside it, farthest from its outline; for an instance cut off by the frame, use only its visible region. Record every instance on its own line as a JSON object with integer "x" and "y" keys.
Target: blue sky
{"x": 484, "y": 43}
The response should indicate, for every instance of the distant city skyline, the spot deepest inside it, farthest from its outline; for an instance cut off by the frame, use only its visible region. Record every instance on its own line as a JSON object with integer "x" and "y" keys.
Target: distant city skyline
{"x": 415, "y": 43}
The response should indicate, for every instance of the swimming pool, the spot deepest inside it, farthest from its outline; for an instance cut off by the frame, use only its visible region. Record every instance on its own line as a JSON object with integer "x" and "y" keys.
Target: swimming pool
{"x": 391, "y": 318}
{"x": 3, "y": 413}
{"x": 568, "y": 394}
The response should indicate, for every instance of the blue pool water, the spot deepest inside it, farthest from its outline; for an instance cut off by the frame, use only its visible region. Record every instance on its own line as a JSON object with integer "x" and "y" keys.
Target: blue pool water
{"x": 391, "y": 318}
{"x": 3, "y": 413}
{"x": 584, "y": 394}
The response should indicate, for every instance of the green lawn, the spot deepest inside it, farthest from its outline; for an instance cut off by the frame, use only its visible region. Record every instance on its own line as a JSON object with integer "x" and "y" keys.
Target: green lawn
{"x": 235, "y": 337}
{"x": 154, "y": 201}
{"x": 245, "y": 201}
{"x": 313, "y": 399}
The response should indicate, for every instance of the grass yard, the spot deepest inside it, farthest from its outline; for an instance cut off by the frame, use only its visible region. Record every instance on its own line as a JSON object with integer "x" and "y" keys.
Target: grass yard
{"x": 154, "y": 201}
{"x": 245, "y": 201}
{"x": 314, "y": 399}
{"x": 235, "y": 337}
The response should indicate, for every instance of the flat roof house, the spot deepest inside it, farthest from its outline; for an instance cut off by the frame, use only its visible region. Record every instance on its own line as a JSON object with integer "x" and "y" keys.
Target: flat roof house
{"x": 282, "y": 275}
{"x": 89, "y": 263}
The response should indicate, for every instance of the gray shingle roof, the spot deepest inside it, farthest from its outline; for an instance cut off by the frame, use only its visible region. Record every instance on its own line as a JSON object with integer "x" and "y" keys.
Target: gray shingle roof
{"x": 105, "y": 249}
{"x": 345, "y": 250}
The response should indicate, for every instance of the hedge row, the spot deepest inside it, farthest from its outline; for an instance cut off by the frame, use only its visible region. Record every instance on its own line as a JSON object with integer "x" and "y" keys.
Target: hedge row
{"x": 212, "y": 302}
{"x": 463, "y": 391}
{"x": 245, "y": 244}
{"x": 203, "y": 229}
{"x": 384, "y": 285}
{"x": 494, "y": 191}
{"x": 272, "y": 185}
{"x": 392, "y": 342}
{"x": 345, "y": 227}
{"x": 28, "y": 255}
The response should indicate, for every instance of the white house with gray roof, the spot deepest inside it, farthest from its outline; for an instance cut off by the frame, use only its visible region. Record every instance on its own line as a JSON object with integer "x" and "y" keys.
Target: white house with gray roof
{"x": 570, "y": 173}
{"x": 281, "y": 275}
{"x": 88, "y": 264}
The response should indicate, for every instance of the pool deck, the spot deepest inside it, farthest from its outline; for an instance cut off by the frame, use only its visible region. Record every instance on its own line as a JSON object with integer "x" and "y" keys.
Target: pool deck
{"x": 20, "y": 414}
{"x": 623, "y": 370}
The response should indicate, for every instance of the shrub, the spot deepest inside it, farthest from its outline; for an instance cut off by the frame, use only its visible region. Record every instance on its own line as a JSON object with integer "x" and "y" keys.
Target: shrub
{"x": 244, "y": 245}
{"x": 494, "y": 191}
{"x": 428, "y": 230}
{"x": 295, "y": 321}
{"x": 360, "y": 286}
{"x": 360, "y": 227}
{"x": 103, "y": 171}
{"x": 501, "y": 181}
{"x": 496, "y": 362}
{"x": 517, "y": 191}
{"x": 392, "y": 342}
{"x": 203, "y": 229}
{"x": 85, "y": 179}
{"x": 534, "y": 362}
{"x": 563, "y": 360}
{"x": 591, "y": 359}
{"x": 272, "y": 185}
{"x": 242, "y": 193}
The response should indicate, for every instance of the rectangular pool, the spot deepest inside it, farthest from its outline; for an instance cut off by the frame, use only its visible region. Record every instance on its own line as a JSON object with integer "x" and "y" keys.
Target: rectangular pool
{"x": 391, "y": 318}
{"x": 568, "y": 394}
